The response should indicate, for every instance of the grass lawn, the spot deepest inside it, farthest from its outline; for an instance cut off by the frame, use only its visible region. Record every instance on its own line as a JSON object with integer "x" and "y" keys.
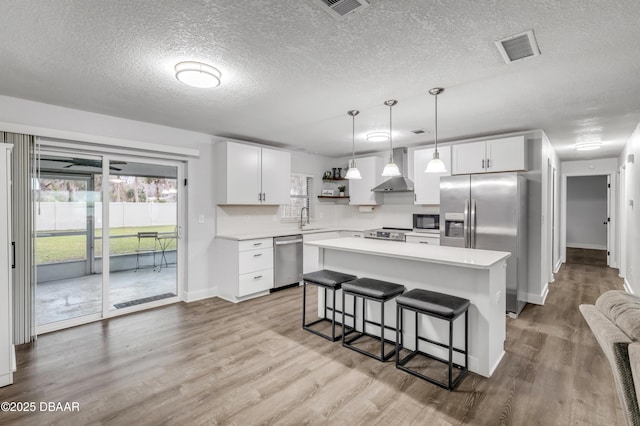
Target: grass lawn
{"x": 62, "y": 248}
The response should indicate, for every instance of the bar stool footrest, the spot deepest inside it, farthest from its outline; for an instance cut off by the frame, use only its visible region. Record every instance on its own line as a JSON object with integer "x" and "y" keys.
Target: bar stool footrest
{"x": 400, "y": 364}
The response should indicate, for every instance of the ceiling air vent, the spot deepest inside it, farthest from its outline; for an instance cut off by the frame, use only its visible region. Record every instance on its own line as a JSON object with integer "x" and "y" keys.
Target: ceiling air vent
{"x": 518, "y": 47}
{"x": 340, "y": 9}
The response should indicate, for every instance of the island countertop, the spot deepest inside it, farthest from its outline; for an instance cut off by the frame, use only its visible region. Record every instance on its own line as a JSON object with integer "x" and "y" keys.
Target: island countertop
{"x": 454, "y": 256}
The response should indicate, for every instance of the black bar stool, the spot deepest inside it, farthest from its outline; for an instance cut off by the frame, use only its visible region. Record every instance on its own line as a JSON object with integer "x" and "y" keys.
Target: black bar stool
{"x": 327, "y": 280}
{"x": 436, "y": 305}
{"x": 368, "y": 289}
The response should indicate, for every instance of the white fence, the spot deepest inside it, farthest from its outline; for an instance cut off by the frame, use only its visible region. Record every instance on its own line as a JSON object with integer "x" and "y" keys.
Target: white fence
{"x": 73, "y": 215}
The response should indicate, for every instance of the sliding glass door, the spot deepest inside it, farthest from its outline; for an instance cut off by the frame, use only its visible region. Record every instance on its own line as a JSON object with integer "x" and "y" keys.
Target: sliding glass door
{"x": 143, "y": 233}
{"x": 86, "y": 206}
{"x": 68, "y": 284}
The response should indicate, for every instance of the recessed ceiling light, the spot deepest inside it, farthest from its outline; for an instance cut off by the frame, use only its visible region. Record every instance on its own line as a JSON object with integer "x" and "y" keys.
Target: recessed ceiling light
{"x": 197, "y": 74}
{"x": 378, "y": 136}
{"x": 588, "y": 145}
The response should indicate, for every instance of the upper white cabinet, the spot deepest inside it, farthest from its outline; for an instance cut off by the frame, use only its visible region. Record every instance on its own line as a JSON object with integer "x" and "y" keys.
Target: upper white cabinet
{"x": 249, "y": 174}
{"x": 468, "y": 158}
{"x": 427, "y": 185}
{"x": 360, "y": 192}
{"x": 498, "y": 155}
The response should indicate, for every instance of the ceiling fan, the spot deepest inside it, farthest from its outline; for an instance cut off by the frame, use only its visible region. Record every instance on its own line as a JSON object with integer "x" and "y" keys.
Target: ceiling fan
{"x": 85, "y": 163}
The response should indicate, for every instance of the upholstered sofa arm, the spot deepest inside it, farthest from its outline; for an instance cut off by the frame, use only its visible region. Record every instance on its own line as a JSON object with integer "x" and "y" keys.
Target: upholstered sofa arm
{"x": 615, "y": 345}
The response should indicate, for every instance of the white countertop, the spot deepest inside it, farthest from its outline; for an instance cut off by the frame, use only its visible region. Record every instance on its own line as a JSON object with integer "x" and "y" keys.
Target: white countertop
{"x": 455, "y": 256}
{"x": 279, "y": 233}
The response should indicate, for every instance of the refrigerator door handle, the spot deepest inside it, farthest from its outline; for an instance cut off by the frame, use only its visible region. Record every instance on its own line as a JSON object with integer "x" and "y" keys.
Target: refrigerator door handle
{"x": 472, "y": 219}
{"x": 466, "y": 224}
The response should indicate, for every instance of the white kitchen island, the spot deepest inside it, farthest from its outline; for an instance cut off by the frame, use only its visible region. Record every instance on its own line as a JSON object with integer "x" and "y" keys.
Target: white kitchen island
{"x": 477, "y": 275}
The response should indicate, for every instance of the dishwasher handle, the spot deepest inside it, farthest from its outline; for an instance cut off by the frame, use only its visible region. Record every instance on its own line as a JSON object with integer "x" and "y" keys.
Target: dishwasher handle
{"x": 282, "y": 243}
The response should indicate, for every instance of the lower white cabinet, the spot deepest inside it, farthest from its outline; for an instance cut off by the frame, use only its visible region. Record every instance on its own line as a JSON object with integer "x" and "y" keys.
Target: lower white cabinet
{"x": 430, "y": 240}
{"x": 6, "y": 315}
{"x": 244, "y": 268}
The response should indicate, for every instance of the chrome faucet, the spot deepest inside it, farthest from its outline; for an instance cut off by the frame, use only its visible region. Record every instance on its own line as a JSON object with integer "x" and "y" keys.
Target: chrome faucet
{"x": 301, "y": 224}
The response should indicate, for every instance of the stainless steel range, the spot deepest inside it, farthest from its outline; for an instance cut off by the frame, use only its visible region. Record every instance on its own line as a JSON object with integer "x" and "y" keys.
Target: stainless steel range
{"x": 393, "y": 234}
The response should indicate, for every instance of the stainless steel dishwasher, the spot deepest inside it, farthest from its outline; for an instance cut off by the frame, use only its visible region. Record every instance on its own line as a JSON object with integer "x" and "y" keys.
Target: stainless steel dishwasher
{"x": 287, "y": 261}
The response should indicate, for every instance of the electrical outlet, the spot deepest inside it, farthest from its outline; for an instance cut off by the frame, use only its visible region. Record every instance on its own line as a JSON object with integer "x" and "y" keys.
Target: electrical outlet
{"x": 201, "y": 218}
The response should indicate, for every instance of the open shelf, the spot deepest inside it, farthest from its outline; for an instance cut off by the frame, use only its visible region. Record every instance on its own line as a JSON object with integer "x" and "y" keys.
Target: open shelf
{"x": 335, "y": 179}
{"x": 333, "y": 196}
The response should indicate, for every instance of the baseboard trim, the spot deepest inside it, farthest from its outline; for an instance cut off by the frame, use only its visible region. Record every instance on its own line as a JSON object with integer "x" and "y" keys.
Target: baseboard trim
{"x": 539, "y": 299}
{"x": 493, "y": 368}
{"x": 627, "y": 287}
{"x": 557, "y": 267}
{"x": 192, "y": 296}
{"x": 586, "y": 246}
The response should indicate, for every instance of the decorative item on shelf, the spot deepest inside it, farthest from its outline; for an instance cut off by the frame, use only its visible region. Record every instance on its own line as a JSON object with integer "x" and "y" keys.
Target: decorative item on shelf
{"x": 335, "y": 173}
{"x": 436, "y": 165}
{"x": 391, "y": 169}
{"x": 328, "y": 175}
{"x": 341, "y": 189}
{"x": 327, "y": 192}
{"x": 353, "y": 172}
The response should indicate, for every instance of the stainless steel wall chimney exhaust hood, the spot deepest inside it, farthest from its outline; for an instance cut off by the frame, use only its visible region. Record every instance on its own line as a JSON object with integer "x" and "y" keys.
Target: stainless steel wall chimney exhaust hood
{"x": 399, "y": 183}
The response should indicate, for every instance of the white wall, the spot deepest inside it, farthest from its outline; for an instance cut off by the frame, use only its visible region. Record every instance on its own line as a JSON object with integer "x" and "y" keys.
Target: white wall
{"x": 586, "y": 211}
{"x": 603, "y": 166}
{"x": 22, "y": 116}
{"x": 630, "y": 213}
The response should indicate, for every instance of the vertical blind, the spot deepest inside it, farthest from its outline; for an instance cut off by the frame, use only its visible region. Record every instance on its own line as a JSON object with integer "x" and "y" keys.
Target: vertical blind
{"x": 22, "y": 230}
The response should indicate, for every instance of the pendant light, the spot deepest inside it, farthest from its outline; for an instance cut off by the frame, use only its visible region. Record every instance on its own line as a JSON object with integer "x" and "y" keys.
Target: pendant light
{"x": 353, "y": 172}
{"x": 391, "y": 169}
{"x": 436, "y": 165}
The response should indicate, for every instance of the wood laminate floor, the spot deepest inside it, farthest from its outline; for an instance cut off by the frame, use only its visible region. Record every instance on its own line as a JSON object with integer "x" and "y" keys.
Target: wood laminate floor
{"x": 586, "y": 256}
{"x": 214, "y": 362}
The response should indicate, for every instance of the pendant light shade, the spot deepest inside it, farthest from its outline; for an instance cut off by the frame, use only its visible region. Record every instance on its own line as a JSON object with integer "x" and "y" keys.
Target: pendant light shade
{"x": 391, "y": 169}
{"x": 436, "y": 165}
{"x": 353, "y": 172}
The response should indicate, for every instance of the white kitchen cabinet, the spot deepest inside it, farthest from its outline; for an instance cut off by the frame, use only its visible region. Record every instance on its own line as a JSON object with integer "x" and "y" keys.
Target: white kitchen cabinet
{"x": 427, "y": 185}
{"x": 432, "y": 240}
{"x": 245, "y": 268}
{"x": 497, "y": 155}
{"x": 250, "y": 174}
{"x": 6, "y": 254}
{"x": 468, "y": 158}
{"x": 507, "y": 154}
{"x": 351, "y": 234}
{"x": 360, "y": 189}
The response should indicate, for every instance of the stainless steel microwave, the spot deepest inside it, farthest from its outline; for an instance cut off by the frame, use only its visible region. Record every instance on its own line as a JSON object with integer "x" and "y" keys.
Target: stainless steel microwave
{"x": 426, "y": 222}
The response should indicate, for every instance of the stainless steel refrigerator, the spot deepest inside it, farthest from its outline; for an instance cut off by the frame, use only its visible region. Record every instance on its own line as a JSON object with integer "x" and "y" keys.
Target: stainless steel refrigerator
{"x": 489, "y": 211}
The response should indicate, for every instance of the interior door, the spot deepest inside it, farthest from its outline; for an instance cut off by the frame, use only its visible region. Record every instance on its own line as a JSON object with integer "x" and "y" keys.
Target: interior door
{"x": 607, "y": 221}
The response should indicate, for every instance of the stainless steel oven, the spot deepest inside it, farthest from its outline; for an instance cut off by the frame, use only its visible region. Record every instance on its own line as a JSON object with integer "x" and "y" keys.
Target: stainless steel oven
{"x": 426, "y": 223}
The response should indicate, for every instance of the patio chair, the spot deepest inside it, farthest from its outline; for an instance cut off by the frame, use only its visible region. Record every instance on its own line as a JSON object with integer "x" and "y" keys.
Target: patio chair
{"x": 147, "y": 243}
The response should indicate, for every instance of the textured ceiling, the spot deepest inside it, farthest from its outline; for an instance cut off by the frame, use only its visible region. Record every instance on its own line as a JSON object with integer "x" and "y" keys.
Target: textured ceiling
{"x": 290, "y": 72}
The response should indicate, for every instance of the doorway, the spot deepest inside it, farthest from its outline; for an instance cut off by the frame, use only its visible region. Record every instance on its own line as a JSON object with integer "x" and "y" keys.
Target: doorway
{"x": 91, "y": 205}
{"x": 588, "y": 220}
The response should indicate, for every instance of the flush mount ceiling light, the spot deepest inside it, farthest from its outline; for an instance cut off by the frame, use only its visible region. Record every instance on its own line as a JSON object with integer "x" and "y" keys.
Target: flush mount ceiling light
{"x": 588, "y": 145}
{"x": 197, "y": 74}
{"x": 436, "y": 165}
{"x": 353, "y": 172}
{"x": 378, "y": 136}
{"x": 391, "y": 169}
